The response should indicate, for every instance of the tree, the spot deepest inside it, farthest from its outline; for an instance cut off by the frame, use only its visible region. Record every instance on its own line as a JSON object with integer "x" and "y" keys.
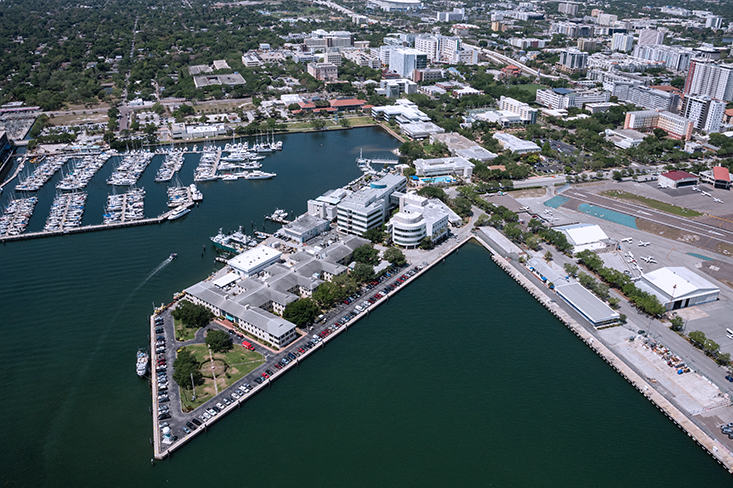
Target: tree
{"x": 548, "y": 256}
{"x": 723, "y": 358}
{"x": 301, "y": 312}
{"x": 697, "y": 337}
{"x": 677, "y": 323}
{"x": 374, "y": 234}
{"x": 395, "y": 257}
{"x": 318, "y": 124}
{"x": 571, "y": 269}
{"x": 192, "y": 315}
{"x": 426, "y": 243}
{"x": 433, "y": 192}
{"x": 366, "y": 254}
{"x": 363, "y": 272}
{"x": 218, "y": 340}
{"x": 461, "y": 206}
{"x": 184, "y": 366}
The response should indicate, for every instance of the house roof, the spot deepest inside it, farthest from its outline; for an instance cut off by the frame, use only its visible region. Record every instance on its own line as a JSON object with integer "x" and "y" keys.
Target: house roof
{"x": 351, "y": 102}
{"x": 678, "y": 175}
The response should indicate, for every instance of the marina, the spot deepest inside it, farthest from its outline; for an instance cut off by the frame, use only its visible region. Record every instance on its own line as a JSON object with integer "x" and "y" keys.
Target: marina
{"x": 16, "y": 216}
{"x": 42, "y": 173}
{"x": 131, "y": 168}
{"x": 208, "y": 164}
{"x": 125, "y": 207}
{"x": 171, "y": 165}
{"x": 66, "y": 212}
{"x": 236, "y": 242}
{"x": 83, "y": 171}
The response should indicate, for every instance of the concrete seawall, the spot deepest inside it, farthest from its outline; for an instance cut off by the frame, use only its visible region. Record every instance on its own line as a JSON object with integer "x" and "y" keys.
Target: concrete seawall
{"x": 680, "y": 419}
{"x": 162, "y": 452}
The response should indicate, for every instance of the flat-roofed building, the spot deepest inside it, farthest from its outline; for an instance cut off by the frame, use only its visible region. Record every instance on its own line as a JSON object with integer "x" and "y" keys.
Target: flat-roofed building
{"x": 455, "y": 165}
{"x": 515, "y": 144}
{"x": 367, "y": 208}
{"x": 459, "y": 145}
{"x": 593, "y": 309}
{"x": 527, "y": 114}
{"x": 323, "y": 71}
{"x": 676, "y": 126}
{"x": 585, "y": 237}
{"x": 233, "y": 79}
{"x": 417, "y": 218}
{"x": 305, "y": 228}
{"x": 678, "y": 287}
{"x": 253, "y": 261}
{"x": 625, "y": 138}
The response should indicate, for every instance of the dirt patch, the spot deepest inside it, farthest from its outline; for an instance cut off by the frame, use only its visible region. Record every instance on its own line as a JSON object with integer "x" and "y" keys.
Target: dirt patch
{"x": 668, "y": 232}
{"x": 725, "y": 249}
{"x": 531, "y": 193}
{"x": 79, "y": 118}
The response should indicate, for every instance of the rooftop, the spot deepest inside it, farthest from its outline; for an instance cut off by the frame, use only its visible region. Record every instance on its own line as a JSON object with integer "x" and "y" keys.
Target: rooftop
{"x": 678, "y": 175}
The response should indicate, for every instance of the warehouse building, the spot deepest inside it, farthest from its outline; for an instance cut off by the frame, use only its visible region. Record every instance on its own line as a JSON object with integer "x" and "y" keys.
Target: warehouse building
{"x": 592, "y": 308}
{"x": 677, "y": 179}
{"x": 678, "y": 287}
{"x": 585, "y": 237}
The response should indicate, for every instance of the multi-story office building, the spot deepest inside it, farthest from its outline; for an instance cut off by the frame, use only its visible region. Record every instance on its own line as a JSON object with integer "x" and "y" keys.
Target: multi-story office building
{"x": 649, "y": 37}
{"x": 457, "y": 15}
{"x": 713, "y": 80}
{"x": 676, "y": 126}
{"x": 714, "y": 22}
{"x": 404, "y": 61}
{"x": 568, "y": 8}
{"x": 705, "y": 113}
{"x": 368, "y": 207}
{"x": 677, "y": 58}
{"x": 323, "y": 71}
{"x": 622, "y": 42}
{"x": 527, "y": 113}
{"x": 573, "y": 60}
{"x": 652, "y": 98}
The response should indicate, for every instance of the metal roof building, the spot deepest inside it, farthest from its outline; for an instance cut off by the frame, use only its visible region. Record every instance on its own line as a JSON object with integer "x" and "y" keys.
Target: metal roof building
{"x": 678, "y": 287}
{"x": 584, "y": 236}
{"x": 587, "y": 304}
{"x": 677, "y": 179}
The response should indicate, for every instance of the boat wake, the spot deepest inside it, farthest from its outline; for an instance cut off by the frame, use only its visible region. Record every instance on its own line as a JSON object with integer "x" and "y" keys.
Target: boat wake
{"x": 154, "y": 272}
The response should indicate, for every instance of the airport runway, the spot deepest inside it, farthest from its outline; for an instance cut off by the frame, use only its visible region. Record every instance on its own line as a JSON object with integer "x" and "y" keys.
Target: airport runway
{"x": 710, "y": 235}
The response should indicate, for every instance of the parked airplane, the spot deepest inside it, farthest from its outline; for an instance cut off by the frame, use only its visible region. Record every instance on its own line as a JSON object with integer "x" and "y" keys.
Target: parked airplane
{"x": 705, "y": 194}
{"x": 717, "y": 200}
{"x": 650, "y": 259}
{"x": 630, "y": 240}
{"x": 694, "y": 188}
{"x": 643, "y": 244}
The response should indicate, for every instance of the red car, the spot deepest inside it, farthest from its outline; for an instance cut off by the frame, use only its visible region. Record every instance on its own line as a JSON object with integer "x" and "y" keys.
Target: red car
{"x": 265, "y": 375}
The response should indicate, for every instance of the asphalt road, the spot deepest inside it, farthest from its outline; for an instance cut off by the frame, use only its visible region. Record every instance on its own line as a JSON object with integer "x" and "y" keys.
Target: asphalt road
{"x": 709, "y": 235}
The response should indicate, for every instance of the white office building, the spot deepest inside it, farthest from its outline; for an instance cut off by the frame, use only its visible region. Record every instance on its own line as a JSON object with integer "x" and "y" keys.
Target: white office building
{"x": 515, "y": 144}
{"x": 451, "y": 166}
{"x": 527, "y": 114}
{"x": 705, "y": 113}
{"x": 253, "y": 261}
{"x": 714, "y": 22}
{"x": 417, "y": 218}
{"x": 650, "y": 37}
{"x": 367, "y": 208}
{"x": 457, "y": 15}
{"x": 404, "y": 61}
{"x": 622, "y": 42}
{"x": 707, "y": 78}
{"x": 676, "y": 58}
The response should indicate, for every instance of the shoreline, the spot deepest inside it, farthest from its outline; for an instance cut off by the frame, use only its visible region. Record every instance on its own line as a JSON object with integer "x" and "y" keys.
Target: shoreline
{"x": 718, "y": 452}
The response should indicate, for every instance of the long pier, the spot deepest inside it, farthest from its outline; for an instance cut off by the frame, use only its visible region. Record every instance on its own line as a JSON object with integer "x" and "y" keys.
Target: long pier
{"x": 92, "y": 228}
{"x": 718, "y": 452}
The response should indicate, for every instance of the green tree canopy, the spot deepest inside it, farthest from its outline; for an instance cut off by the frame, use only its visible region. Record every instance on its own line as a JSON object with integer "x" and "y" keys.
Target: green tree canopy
{"x": 363, "y": 272}
{"x": 192, "y": 315}
{"x": 184, "y": 366}
{"x": 218, "y": 340}
{"x": 301, "y": 312}
{"x": 374, "y": 234}
{"x": 395, "y": 256}
{"x": 366, "y": 254}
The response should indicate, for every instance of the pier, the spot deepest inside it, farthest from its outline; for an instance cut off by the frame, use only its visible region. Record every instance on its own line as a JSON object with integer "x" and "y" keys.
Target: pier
{"x": 92, "y": 228}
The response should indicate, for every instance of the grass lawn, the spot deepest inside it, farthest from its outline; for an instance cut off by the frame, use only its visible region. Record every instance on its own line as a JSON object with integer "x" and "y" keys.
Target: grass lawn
{"x": 531, "y": 87}
{"x": 651, "y": 203}
{"x": 228, "y": 368}
{"x": 183, "y": 333}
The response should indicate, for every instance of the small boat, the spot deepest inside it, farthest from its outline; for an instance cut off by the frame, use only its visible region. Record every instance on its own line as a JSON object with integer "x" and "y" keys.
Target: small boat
{"x": 259, "y": 175}
{"x": 173, "y": 256}
{"x": 179, "y": 212}
{"x": 142, "y": 363}
{"x": 229, "y": 177}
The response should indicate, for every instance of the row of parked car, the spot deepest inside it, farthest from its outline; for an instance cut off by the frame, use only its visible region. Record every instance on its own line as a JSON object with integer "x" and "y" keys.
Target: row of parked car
{"x": 161, "y": 368}
{"x": 727, "y": 429}
{"x": 214, "y": 410}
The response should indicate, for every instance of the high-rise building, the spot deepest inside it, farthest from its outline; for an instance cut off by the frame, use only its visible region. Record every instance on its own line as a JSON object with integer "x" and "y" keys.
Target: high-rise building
{"x": 568, "y": 8}
{"x": 676, "y": 58}
{"x": 607, "y": 19}
{"x": 705, "y": 113}
{"x": 525, "y": 112}
{"x": 651, "y": 37}
{"x": 404, "y": 61}
{"x": 622, "y": 42}
{"x": 651, "y": 98}
{"x": 457, "y": 15}
{"x": 676, "y": 126}
{"x": 587, "y": 44}
{"x": 573, "y": 60}
{"x": 713, "y": 80}
{"x": 715, "y": 22}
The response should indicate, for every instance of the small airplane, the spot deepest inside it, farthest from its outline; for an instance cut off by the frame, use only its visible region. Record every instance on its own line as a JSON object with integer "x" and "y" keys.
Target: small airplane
{"x": 650, "y": 259}
{"x": 524, "y": 208}
{"x": 717, "y": 200}
{"x": 643, "y": 244}
{"x": 630, "y": 240}
{"x": 694, "y": 188}
{"x": 705, "y": 194}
